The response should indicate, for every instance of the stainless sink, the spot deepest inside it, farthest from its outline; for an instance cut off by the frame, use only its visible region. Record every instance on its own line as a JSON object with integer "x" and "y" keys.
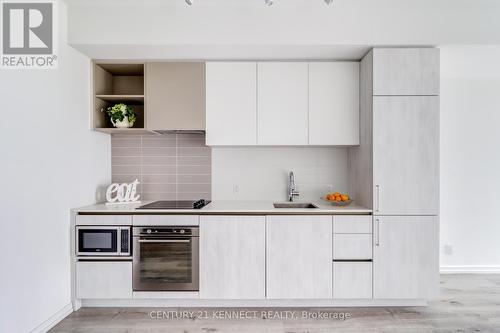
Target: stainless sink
{"x": 297, "y": 205}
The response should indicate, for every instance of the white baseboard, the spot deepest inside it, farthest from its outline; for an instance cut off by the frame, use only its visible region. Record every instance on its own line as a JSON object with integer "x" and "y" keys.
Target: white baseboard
{"x": 54, "y": 319}
{"x": 208, "y": 303}
{"x": 469, "y": 270}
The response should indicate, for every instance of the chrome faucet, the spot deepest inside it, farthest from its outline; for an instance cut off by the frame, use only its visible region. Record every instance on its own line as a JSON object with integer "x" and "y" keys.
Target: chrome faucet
{"x": 291, "y": 187}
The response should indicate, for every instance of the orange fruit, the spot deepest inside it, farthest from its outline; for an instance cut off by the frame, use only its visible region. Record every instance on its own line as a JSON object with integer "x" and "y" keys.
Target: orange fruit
{"x": 337, "y": 196}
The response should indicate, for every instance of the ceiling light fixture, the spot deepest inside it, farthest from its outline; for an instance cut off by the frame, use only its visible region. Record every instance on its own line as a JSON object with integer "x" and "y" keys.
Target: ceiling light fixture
{"x": 267, "y": 2}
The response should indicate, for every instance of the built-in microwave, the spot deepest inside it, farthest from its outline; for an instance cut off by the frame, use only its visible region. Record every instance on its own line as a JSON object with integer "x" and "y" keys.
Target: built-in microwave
{"x": 103, "y": 241}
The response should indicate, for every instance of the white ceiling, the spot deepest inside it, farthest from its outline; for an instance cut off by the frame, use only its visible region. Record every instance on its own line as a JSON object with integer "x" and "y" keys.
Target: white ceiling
{"x": 290, "y": 29}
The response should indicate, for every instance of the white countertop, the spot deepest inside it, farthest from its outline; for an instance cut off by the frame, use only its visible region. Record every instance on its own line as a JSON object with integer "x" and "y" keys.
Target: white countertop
{"x": 227, "y": 207}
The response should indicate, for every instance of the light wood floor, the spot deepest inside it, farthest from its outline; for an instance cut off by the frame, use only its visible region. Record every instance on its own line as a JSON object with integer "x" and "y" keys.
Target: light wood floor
{"x": 469, "y": 303}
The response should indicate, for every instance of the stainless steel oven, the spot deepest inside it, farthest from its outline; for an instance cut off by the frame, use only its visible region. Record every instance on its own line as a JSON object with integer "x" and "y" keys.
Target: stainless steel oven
{"x": 165, "y": 259}
{"x": 103, "y": 241}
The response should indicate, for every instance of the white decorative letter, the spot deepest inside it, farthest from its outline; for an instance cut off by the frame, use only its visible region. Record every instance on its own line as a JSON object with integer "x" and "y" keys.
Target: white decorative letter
{"x": 122, "y": 191}
{"x": 134, "y": 197}
{"x": 109, "y": 192}
{"x": 125, "y": 193}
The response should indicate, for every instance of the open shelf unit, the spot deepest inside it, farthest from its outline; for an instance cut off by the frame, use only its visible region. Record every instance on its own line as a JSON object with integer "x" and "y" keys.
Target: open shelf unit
{"x": 114, "y": 83}
{"x": 121, "y": 98}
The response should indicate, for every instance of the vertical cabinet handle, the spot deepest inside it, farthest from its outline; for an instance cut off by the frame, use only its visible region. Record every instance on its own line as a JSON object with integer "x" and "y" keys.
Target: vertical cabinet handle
{"x": 377, "y": 234}
{"x": 377, "y": 195}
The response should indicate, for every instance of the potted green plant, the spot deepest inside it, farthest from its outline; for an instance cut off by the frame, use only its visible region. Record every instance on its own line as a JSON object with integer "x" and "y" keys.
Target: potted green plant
{"x": 121, "y": 115}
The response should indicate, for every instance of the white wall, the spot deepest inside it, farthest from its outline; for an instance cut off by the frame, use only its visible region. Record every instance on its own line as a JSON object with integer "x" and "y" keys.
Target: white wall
{"x": 470, "y": 158}
{"x": 262, "y": 173}
{"x": 50, "y": 162}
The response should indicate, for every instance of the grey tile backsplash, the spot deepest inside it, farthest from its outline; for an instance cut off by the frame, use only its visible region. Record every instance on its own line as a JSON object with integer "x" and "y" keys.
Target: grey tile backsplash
{"x": 169, "y": 167}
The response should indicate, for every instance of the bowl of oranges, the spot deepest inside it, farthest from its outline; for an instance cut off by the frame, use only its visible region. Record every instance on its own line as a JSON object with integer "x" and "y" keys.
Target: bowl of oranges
{"x": 338, "y": 199}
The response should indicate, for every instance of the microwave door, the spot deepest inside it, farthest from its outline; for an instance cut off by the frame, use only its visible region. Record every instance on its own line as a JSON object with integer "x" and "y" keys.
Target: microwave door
{"x": 98, "y": 241}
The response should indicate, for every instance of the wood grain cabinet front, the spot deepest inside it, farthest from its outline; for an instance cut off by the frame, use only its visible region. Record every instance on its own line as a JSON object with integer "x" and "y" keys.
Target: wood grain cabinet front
{"x": 299, "y": 257}
{"x": 352, "y": 280}
{"x": 104, "y": 220}
{"x": 232, "y": 257}
{"x": 406, "y": 155}
{"x": 103, "y": 280}
{"x": 352, "y": 224}
{"x": 352, "y": 246}
{"x": 405, "y": 71}
{"x": 405, "y": 257}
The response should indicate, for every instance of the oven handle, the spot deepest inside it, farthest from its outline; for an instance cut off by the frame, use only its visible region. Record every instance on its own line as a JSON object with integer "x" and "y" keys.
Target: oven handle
{"x": 164, "y": 240}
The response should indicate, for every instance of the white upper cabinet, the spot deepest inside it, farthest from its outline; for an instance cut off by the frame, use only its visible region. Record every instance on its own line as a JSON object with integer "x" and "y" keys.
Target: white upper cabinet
{"x": 282, "y": 101}
{"x": 406, "y": 155}
{"x": 406, "y": 71}
{"x": 405, "y": 257}
{"x": 231, "y": 103}
{"x": 334, "y": 103}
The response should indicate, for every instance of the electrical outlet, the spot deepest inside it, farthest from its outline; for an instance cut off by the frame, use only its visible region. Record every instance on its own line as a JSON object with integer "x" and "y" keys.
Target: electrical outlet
{"x": 236, "y": 188}
{"x": 329, "y": 188}
{"x": 448, "y": 249}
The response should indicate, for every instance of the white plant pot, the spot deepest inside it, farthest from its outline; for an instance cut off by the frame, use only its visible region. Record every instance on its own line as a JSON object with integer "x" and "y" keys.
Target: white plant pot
{"x": 122, "y": 124}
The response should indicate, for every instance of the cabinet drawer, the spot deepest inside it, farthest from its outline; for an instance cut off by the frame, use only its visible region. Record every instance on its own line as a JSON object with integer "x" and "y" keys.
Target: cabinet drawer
{"x": 352, "y": 246}
{"x": 104, "y": 280}
{"x": 352, "y": 280}
{"x": 104, "y": 220}
{"x": 352, "y": 224}
{"x": 166, "y": 220}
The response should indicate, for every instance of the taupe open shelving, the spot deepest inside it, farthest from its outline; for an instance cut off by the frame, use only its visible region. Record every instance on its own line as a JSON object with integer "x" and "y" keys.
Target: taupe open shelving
{"x": 121, "y": 98}
{"x": 115, "y": 82}
{"x": 167, "y": 96}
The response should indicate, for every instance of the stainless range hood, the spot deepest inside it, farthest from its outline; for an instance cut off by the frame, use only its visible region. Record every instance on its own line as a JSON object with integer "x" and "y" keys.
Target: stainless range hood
{"x": 164, "y": 132}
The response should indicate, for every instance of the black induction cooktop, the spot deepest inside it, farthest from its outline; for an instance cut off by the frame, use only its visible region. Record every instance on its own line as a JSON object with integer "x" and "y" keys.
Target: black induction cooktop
{"x": 176, "y": 204}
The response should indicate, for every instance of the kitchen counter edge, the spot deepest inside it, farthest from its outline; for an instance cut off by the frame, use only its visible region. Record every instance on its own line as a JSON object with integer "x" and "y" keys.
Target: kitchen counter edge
{"x": 224, "y": 208}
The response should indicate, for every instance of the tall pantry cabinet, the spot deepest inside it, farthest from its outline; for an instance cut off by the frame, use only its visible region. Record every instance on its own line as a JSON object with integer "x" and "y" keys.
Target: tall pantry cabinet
{"x": 396, "y": 168}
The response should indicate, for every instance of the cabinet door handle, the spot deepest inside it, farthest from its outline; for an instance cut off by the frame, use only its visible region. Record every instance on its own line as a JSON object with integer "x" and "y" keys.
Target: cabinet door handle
{"x": 377, "y": 234}
{"x": 164, "y": 241}
{"x": 377, "y": 195}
